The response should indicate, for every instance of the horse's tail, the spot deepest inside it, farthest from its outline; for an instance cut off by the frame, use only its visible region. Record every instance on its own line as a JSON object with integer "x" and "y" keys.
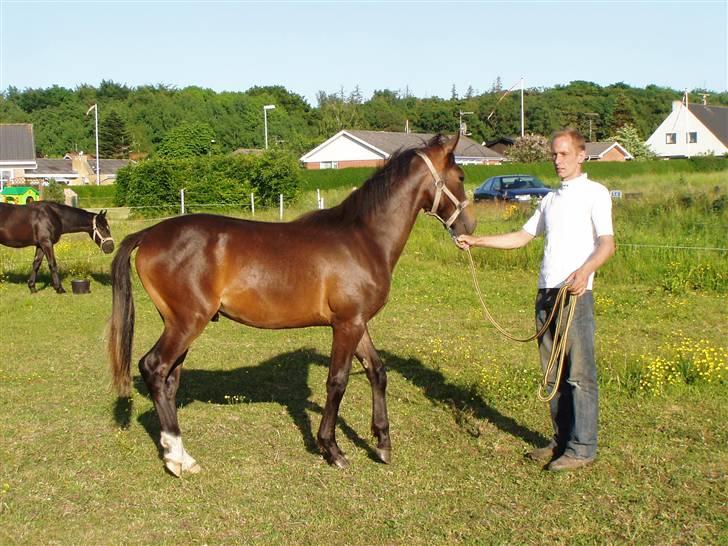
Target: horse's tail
{"x": 121, "y": 323}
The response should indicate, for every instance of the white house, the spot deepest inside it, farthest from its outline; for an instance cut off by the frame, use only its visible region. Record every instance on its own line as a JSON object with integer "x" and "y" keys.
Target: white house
{"x": 607, "y": 151}
{"x": 697, "y": 129}
{"x": 374, "y": 148}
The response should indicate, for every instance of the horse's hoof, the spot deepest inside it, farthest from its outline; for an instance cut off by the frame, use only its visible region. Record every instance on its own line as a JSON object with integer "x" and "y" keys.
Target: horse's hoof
{"x": 61, "y": 290}
{"x": 194, "y": 469}
{"x": 174, "y": 468}
{"x": 384, "y": 454}
{"x": 340, "y": 462}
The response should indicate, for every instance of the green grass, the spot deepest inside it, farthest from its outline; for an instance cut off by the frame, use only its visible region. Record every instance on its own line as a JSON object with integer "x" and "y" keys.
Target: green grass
{"x": 462, "y": 407}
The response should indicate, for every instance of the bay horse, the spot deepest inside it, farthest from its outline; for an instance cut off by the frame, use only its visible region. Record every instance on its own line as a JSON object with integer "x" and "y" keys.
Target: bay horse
{"x": 42, "y": 223}
{"x": 331, "y": 267}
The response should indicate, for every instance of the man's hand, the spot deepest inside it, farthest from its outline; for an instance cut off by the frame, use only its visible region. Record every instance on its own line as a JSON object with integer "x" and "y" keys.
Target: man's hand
{"x": 464, "y": 242}
{"x": 578, "y": 281}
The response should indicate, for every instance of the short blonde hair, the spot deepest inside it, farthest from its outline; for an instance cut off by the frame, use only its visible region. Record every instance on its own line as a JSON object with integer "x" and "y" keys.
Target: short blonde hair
{"x": 576, "y": 137}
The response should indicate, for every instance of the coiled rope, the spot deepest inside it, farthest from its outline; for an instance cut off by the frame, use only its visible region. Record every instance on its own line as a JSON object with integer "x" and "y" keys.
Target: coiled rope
{"x": 558, "y": 348}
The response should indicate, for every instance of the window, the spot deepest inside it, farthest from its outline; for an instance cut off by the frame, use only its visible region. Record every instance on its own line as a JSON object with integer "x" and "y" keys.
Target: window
{"x": 670, "y": 138}
{"x": 329, "y": 165}
{"x": 5, "y": 176}
{"x": 692, "y": 138}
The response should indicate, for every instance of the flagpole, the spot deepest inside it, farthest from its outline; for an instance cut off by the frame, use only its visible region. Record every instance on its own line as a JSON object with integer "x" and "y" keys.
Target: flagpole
{"x": 522, "y": 117}
{"x": 98, "y": 159}
{"x": 687, "y": 135}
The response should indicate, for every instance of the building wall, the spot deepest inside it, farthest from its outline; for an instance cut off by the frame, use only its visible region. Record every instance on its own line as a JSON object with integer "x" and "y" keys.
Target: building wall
{"x": 345, "y": 164}
{"x": 613, "y": 155}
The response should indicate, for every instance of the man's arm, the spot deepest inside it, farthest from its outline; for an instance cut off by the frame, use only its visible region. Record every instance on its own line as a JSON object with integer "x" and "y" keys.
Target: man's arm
{"x": 579, "y": 279}
{"x": 505, "y": 241}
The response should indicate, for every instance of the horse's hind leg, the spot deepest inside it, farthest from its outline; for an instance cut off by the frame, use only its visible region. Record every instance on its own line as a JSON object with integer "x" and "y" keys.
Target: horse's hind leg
{"x": 345, "y": 339}
{"x": 34, "y": 272}
{"x": 161, "y": 368}
{"x": 47, "y": 247}
{"x": 369, "y": 358}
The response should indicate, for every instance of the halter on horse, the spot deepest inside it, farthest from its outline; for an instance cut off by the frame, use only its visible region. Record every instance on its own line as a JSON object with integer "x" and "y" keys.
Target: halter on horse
{"x": 330, "y": 267}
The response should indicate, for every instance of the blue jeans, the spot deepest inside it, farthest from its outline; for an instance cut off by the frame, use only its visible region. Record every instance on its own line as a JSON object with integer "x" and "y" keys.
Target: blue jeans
{"x": 575, "y": 408}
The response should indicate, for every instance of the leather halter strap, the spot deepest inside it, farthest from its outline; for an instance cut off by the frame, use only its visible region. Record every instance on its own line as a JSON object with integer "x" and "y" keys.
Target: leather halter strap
{"x": 97, "y": 233}
{"x": 441, "y": 188}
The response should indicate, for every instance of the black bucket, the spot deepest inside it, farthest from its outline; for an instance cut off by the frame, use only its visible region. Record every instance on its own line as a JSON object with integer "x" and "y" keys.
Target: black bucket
{"x": 82, "y": 286}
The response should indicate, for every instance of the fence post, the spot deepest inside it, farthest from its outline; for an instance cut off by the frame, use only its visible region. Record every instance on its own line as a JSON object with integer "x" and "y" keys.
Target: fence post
{"x": 182, "y": 201}
{"x": 318, "y": 198}
{"x": 281, "y": 206}
{"x": 252, "y": 203}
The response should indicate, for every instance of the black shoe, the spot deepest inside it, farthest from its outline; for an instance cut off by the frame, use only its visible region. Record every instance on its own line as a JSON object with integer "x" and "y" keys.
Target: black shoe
{"x": 567, "y": 462}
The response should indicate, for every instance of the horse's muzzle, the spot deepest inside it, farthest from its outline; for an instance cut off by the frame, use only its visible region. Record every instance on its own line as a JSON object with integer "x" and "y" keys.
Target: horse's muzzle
{"x": 107, "y": 247}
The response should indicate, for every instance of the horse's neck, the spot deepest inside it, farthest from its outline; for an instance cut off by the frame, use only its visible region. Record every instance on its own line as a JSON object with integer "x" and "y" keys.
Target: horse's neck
{"x": 75, "y": 220}
{"x": 390, "y": 225}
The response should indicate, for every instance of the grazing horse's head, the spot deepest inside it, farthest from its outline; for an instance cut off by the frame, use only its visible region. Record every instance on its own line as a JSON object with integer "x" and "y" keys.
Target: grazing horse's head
{"x": 101, "y": 233}
{"x": 445, "y": 193}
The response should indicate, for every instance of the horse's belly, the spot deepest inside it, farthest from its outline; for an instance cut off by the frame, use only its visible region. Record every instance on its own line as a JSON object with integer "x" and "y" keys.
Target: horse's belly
{"x": 273, "y": 311}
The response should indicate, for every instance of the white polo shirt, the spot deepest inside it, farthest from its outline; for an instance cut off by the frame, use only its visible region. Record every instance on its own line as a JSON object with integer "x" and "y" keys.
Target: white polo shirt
{"x": 571, "y": 219}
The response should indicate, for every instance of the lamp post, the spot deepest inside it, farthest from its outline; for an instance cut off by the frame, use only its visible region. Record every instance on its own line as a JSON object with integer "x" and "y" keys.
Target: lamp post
{"x": 265, "y": 121}
{"x": 591, "y": 115}
{"x": 95, "y": 108}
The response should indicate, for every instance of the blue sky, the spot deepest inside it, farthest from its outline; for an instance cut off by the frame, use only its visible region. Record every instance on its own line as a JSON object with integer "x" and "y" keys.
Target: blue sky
{"x": 312, "y": 46}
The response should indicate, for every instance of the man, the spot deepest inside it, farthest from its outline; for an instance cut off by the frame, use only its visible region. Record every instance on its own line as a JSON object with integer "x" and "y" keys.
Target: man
{"x": 576, "y": 221}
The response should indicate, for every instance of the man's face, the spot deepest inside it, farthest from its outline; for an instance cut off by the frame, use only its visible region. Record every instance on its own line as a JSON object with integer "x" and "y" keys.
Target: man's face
{"x": 567, "y": 158}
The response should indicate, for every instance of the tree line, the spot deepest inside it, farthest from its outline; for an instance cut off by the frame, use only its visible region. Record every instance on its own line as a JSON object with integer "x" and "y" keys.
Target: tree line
{"x": 169, "y": 122}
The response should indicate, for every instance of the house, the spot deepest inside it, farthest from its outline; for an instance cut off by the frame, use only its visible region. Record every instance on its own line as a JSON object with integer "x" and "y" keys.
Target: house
{"x": 607, "y": 151}
{"x": 350, "y": 148}
{"x": 696, "y": 129}
{"x": 17, "y": 152}
{"x": 75, "y": 169}
{"x": 500, "y": 145}
{"x": 19, "y": 195}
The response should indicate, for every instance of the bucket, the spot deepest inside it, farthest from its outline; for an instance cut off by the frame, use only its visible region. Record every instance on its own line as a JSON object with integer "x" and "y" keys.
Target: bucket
{"x": 81, "y": 286}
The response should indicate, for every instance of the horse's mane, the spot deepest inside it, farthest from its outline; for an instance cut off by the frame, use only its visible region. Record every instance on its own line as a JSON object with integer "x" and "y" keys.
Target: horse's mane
{"x": 376, "y": 190}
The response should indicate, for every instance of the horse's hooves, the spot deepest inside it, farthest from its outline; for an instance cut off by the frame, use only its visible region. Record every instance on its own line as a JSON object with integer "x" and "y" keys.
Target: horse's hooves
{"x": 174, "y": 468}
{"x": 341, "y": 462}
{"x": 61, "y": 290}
{"x": 194, "y": 469}
{"x": 384, "y": 454}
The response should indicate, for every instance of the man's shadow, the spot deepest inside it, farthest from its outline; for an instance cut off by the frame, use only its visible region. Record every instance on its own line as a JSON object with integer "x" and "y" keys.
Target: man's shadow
{"x": 284, "y": 380}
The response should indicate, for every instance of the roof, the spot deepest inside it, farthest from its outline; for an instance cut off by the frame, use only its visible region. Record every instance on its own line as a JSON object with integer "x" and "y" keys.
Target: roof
{"x": 54, "y": 166}
{"x": 598, "y": 149}
{"x": 715, "y": 118}
{"x": 390, "y": 142}
{"x": 504, "y": 140}
{"x": 17, "y": 142}
{"x": 17, "y": 190}
{"x": 109, "y": 166}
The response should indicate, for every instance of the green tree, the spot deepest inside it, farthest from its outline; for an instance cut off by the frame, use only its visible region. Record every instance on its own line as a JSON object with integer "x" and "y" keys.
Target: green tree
{"x": 114, "y": 139}
{"x": 187, "y": 140}
{"x": 623, "y": 113}
{"x": 629, "y": 138}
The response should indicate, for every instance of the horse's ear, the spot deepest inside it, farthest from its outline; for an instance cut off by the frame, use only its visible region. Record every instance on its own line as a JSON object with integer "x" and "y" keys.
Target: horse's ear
{"x": 450, "y": 145}
{"x": 103, "y": 213}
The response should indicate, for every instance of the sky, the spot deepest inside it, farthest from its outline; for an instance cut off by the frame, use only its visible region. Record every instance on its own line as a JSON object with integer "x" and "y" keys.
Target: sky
{"x": 424, "y": 47}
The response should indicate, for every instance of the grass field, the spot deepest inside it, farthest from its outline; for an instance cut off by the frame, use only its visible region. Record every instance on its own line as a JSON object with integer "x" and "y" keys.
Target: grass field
{"x": 77, "y": 468}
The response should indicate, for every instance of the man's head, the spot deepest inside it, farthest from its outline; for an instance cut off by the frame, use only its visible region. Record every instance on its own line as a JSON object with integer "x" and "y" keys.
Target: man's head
{"x": 568, "y": 152}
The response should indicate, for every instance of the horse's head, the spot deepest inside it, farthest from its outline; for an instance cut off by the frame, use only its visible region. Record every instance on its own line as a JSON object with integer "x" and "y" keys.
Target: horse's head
{"x": 445, "y": 193}
{"x": 101, "y": 234}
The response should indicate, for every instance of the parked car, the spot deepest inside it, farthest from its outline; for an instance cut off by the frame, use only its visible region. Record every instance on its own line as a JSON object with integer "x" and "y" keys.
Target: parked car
{"x": 511, "y": 187}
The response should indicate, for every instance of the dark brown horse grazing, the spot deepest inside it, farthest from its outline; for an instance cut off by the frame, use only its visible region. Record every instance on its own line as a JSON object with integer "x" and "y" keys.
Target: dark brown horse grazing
{"x": 330, "y": 267}
{"x": 42, "y": 224}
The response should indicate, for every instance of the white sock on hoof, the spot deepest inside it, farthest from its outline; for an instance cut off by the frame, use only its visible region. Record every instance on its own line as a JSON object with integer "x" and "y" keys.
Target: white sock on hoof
{"x": 175, "y": 452}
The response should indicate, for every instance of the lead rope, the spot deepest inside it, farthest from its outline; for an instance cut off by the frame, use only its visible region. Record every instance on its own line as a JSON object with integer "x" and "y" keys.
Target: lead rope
{"x": 558, "y": 349}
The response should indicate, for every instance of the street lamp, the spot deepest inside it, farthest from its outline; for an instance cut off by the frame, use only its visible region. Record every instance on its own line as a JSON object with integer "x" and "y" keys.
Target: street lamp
{"x": 591, "y": 115}
{"x": 265, "y": 120}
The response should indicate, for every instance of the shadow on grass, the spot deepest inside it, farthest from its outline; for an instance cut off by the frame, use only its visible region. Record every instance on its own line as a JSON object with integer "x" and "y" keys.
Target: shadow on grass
{"x": 284, "y": 380}
{"x": 43, "y": 280}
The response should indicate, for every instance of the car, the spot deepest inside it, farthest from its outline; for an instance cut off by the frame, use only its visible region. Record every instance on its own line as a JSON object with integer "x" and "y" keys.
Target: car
{"x": 511, "y": 187}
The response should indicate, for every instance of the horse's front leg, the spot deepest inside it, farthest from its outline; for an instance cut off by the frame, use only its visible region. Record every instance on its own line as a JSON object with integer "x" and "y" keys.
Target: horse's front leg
{"x": 346, "y": 337}
{"x": 36, "y": 266}
{"x": 47, "y": 247}
{"x": 369, "y": 358}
